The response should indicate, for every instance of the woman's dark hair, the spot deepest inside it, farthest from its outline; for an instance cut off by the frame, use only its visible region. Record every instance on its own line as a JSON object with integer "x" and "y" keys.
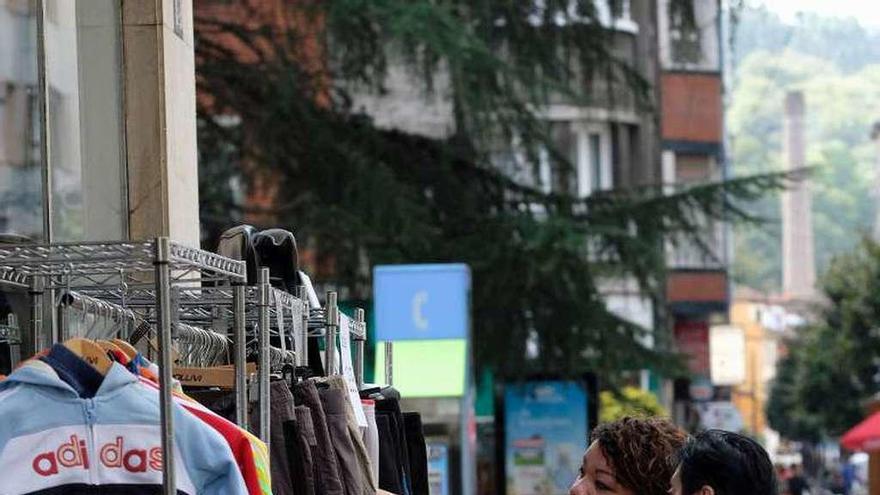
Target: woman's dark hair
{"x": 641, "y": 451}
{"x": 730, "y": 463}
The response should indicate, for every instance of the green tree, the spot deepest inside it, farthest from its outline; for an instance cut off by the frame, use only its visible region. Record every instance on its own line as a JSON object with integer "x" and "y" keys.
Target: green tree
{"x": 360, "y": 195}
{"x": 631, "y": 401}
{"x": 832, "y": 365}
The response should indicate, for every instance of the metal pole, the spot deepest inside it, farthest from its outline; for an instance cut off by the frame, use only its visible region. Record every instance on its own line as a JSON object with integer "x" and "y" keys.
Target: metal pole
{"x": 301, "y": 338}
{"x": 240, "y": 342}
{"x": 302, "y": 343}
{"x": 389, "y": 363}
{"x": 359, "y": 348}
{"x": 331, "y": 317}
{"x": 36, "y": 294}
{"x": 162, "y": 255}
{"x": 263, "y": 339}
{"x": 45, "y": 128}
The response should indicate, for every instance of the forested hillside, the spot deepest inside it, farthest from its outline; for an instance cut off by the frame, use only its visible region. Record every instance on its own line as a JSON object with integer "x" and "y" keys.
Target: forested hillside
{"x": 841, "y": 84}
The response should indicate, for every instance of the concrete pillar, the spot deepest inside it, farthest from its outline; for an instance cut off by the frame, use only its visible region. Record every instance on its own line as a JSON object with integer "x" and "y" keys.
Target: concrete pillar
{"x": 798, "y": 261}
{"x": 875, "y": 136}
{"x": 160, "y": 118}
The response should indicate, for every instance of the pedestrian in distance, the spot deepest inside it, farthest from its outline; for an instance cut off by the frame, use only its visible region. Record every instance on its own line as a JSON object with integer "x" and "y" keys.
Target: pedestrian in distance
{"x": 719, "y": 462}
{"x": 797, "y": 483}
{"x": 632, "y": 456}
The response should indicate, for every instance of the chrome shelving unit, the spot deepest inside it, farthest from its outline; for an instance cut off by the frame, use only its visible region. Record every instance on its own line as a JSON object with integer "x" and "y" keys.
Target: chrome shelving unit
{"x": 158, "y": 263}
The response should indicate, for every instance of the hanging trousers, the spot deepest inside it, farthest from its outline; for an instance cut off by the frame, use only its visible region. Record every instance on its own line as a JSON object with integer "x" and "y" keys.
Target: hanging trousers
{"x": 327, "y": 478}
{"x": 418, "y": 452}
{"x": 281, "y": 409}
{"x": 300, "y": 436}
{"x": 337, "y": 423}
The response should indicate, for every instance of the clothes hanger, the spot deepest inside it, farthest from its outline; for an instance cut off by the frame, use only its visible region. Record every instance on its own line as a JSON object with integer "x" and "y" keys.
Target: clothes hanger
{"x": 108, "y": 346}
{"x": 90, "y": 352}
{"x": 210, "y": 345}
{"x": 126, "y": 348}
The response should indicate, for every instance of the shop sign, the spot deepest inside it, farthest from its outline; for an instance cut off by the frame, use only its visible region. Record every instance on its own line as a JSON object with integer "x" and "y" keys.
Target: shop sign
{"x": 727, "y": 350}
{"x": 422, "y": 302}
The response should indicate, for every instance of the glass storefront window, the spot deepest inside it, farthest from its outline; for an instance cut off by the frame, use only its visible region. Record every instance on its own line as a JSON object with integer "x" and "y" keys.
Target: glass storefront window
{"x": 21, "y": 184}
{"x": 62, "y": 147}
{"x": 85, "y": 120}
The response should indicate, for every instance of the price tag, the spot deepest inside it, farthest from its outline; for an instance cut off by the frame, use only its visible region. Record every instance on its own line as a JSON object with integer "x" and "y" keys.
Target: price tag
{"x": 354, "y": 396}
{"x": 279, "y": 318}
{"x": 299, "y": 337}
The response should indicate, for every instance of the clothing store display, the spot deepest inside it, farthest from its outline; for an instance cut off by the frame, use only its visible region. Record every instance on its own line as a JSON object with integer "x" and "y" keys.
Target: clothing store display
{"x": 60, "y": 440}
{"x": 418, "y": 452}
{"x": 90, "y": 415}
{"x": 371, "y": 439}
{"x": 327, "y": 478}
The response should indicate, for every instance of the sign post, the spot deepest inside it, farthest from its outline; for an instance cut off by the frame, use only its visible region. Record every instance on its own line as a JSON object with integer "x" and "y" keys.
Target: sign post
{"x": 429, "y": 305}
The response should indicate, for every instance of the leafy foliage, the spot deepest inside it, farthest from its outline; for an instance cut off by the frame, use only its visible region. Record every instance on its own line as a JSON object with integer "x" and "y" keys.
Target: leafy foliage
{"x": 631, "y": 401}
{"x": 360, "y": 195}
{"x": 832, "y": 366}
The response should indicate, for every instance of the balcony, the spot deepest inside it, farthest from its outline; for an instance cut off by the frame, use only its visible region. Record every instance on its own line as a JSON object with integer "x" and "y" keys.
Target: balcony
{"x": 697, "y": 282}
{"x": 707, "y": 252}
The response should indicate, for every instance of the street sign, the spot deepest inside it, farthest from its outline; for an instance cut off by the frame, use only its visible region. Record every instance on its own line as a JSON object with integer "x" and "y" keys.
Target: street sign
{"x": 421, "y": 302}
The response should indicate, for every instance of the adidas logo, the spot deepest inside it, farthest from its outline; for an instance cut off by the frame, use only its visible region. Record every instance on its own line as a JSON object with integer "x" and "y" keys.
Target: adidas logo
{"x": 75, "y": 454}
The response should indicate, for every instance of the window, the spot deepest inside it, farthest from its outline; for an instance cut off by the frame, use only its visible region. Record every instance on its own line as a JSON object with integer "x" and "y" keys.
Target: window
{"x": 684, "y": 33}
{"x": 21, "y": 193}
{"x": 85, "y": 121}
{"x": 594, "y": 158}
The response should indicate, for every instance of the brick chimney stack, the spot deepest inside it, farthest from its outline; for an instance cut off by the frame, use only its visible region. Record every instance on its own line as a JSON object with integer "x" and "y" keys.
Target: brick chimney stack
{"x": 875, "y": 136}
{"x": 798, "y": 260}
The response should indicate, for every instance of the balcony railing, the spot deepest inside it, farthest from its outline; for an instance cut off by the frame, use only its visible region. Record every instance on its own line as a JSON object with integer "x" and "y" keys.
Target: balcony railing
{"x": 707, "y": 252}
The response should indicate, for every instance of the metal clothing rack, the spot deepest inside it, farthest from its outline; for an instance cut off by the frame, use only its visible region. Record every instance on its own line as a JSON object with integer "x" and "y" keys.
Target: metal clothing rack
{"x": 179, "y": 289}
{"x": 158, "y": 263}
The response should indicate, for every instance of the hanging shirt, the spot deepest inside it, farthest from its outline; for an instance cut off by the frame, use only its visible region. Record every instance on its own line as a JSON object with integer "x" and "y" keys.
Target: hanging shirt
{"x": 52, "y": 440}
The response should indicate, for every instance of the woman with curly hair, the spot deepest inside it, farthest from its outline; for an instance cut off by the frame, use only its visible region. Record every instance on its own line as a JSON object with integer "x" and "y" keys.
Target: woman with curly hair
{"x": 632, "y": 456}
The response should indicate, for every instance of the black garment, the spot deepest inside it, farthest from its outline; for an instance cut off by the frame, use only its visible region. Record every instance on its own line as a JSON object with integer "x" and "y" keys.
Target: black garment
{"x": 797, "y": 485}
{"x": 327, "y": 477}
{"x": 390, "y": 408}
{"x": 315, "y": 357}
{"x": 299, "y": 458}
{"x": 278, "y": 252}
{"x": 418, "y": 452}
{"x": 390, "y": 478}
{"x": 309, "y": 443}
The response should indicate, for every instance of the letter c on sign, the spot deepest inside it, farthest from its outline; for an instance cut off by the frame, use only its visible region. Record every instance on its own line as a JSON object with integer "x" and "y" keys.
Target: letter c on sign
{"x": 418, "y": 302}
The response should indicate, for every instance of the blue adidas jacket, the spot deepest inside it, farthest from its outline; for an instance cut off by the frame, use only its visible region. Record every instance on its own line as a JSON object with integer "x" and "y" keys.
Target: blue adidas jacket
{"x": 53, "y": 441}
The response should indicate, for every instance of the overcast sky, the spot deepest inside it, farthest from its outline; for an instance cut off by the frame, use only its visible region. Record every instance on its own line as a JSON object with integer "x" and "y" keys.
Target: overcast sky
{"x": 867, "y": 11}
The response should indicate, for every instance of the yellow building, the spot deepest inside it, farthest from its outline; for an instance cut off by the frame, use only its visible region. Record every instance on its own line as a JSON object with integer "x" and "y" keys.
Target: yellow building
{"x": 763, "y": 323}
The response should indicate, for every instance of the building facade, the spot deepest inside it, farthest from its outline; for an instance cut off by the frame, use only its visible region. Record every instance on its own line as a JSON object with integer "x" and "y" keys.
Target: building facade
{"x": 692, "y": 151}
